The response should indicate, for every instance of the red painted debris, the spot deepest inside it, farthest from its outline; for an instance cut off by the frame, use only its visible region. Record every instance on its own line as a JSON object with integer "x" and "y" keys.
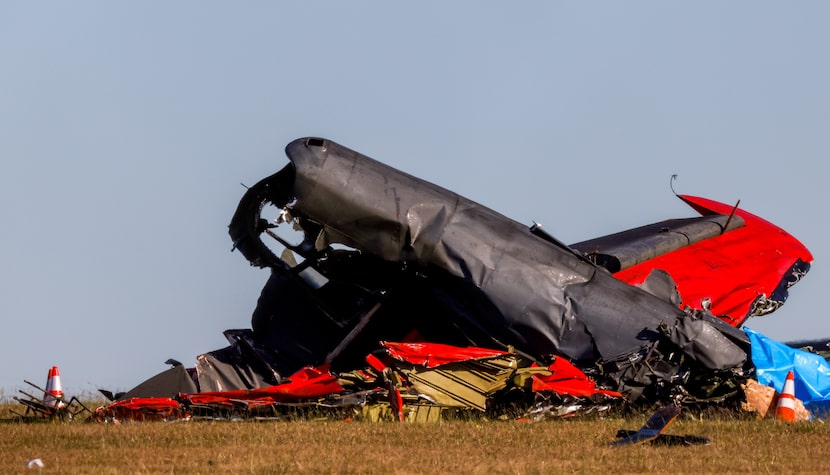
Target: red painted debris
{"x": 758, "y": 255}
{"x": 436, "y": 354}
{"x": 569, "y": 380}
{"x": 309, "y": 382}
{"x": 141, "y": 409}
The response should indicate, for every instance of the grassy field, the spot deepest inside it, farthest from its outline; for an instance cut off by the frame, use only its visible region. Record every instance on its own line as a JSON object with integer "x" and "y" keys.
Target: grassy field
{"x": 556, "y": 446}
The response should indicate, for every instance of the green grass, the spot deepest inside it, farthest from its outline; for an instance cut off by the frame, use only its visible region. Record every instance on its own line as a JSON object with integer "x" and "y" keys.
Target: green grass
{"x": 555, "y": 446}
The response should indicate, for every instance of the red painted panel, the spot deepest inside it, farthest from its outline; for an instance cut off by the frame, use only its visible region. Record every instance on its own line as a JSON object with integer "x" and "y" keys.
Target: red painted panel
{"x": 732, "y": 269}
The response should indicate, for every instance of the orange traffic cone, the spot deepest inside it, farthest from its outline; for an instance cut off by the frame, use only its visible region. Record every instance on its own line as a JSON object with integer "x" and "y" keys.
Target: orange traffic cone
{"x": 785, "y": 411}
{"x": 54, "y": 392}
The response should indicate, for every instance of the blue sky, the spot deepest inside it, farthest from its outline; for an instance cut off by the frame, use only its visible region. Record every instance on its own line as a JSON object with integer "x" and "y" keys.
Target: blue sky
{"x": 126, "y": 129}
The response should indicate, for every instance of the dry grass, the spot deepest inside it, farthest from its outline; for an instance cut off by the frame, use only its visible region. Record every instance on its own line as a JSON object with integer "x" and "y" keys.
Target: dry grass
{"x": 559, "y": 446}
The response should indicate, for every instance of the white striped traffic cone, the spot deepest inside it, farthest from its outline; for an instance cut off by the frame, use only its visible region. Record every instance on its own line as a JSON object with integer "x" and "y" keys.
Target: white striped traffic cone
{"x": 785, "y": 411}
{"x": 54, "y": 392}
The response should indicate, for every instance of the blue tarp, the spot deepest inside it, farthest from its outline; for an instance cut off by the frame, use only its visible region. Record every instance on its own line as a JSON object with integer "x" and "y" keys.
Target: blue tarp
{"x": 773, "y": 360}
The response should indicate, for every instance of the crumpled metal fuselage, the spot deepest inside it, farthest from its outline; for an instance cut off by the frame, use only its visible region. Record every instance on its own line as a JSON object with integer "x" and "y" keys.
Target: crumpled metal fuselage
{"x": 389, "y": 256}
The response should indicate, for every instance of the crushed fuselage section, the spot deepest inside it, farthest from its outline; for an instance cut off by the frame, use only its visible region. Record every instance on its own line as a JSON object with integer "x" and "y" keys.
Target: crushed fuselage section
{"x": 387, "y": 256}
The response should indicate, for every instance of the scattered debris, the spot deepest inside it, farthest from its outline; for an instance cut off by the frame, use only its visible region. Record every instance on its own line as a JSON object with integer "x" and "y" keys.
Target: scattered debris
{"x": 52, "y": 406}
{"x": 493, "y": 317}
{"x": 669, "y": 439}
{"x": 653, "y": 429}
{"x": 654, "y": 426}
{"x": 142, "y": 409}
{"x": 402, "y": 381}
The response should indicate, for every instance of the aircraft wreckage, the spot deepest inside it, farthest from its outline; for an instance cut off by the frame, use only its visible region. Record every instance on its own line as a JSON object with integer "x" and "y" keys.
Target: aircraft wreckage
{"x": 650, "y": 313}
